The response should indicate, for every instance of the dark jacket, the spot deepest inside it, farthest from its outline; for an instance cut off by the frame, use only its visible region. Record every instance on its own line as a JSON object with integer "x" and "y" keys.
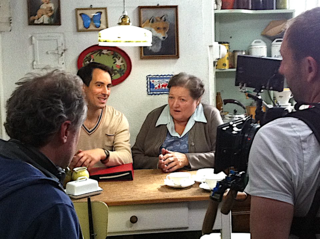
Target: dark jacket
{"x": 33, "y": 203}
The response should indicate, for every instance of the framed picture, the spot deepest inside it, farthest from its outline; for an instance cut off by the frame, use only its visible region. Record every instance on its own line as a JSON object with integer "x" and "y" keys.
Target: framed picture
{"x": 162, "y": 21}
{"x": 44, "y": 12}
{"x": 91, "y": 19}
{"x": 158, "y": 84}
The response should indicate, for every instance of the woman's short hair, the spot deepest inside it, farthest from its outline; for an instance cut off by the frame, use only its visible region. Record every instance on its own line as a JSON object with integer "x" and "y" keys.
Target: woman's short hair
{"x": 190, "y": 82}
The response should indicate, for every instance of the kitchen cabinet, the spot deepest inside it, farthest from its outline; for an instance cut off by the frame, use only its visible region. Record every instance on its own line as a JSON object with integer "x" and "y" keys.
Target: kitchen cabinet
{"x": 240, "y": 27}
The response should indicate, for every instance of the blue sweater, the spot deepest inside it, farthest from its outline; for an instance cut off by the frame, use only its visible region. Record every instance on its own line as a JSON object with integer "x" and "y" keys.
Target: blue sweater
{"x": 32, "y": 205}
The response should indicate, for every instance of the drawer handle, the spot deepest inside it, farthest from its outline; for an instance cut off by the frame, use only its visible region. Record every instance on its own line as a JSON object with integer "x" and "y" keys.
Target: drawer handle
{"x": 133, "y": 219}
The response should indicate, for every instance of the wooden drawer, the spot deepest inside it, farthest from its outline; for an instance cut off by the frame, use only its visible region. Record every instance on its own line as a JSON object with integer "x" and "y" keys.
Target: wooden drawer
{"x": 173, "y": 215}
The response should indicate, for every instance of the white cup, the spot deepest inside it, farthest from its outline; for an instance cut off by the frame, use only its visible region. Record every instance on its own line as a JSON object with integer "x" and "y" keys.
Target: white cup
{"x": 211, "y": 180}
{"x": 283, "y": 97}
{"x": 179, "y": 178}
{"x": 203, "y": 172}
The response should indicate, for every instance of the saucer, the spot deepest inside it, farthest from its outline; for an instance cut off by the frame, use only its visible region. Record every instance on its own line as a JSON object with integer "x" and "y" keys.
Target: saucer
{"x": 169, "y": 183}
{"x": 204, "y": 186}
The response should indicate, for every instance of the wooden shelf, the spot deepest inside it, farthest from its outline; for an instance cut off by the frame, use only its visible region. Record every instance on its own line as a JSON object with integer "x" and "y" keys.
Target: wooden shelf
{"x": 225, "y": 70}
{"x": 245, "y": 11}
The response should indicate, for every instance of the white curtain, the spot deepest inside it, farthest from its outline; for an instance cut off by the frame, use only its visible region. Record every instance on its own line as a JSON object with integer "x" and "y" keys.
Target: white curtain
{"x": 302, "y": 5}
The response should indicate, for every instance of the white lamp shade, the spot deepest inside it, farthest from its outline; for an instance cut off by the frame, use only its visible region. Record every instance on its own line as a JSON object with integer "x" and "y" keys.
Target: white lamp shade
{"x": 125, "y": 35}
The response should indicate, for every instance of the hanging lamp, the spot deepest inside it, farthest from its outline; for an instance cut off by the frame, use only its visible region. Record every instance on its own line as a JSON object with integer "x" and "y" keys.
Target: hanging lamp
{"x": 124, "y": 34}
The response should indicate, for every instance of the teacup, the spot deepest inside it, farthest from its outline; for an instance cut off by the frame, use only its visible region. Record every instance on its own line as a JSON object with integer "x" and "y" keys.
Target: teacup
{"x": 211, "y": 180}
{"x": 201, "y": 173}
{"x": 179, "y": 178}
{"x": 80, "y": 172}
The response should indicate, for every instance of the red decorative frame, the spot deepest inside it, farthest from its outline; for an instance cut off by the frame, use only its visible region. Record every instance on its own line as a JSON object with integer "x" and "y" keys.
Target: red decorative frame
{"x": 113, "y": 57}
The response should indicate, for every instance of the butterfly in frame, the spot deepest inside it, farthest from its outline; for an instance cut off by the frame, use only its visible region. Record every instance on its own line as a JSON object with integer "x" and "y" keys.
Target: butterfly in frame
{"x": 96, "y": 19}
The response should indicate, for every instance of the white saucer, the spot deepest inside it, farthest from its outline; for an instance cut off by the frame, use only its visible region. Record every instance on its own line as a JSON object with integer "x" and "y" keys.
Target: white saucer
{"x": 204, "y": 186}
{"x": 169, "y": 183}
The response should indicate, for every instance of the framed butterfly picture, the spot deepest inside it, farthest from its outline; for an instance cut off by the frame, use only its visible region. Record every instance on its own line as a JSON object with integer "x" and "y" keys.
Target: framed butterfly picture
{"x": 91, "y": 19}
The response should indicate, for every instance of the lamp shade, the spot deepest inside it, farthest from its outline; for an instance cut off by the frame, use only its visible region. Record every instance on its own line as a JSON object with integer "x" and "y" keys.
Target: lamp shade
{"x": 125, "y": 35}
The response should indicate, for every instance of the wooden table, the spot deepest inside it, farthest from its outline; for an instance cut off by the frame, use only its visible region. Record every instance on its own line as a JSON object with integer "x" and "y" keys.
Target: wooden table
{"x": 156, "y": 207}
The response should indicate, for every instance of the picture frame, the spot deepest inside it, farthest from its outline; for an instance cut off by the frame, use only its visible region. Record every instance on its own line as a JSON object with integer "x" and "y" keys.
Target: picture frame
{"x": 43, "y": 14}
{"x": 91, "y": 19}
{"x": 117, "y": 59}
{"x": 165, "y": 40}
{"x": 158, "y": 84}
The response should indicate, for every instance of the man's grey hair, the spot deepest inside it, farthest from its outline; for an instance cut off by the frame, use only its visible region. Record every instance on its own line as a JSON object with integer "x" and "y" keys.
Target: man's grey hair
{"x": 41, "y": 103}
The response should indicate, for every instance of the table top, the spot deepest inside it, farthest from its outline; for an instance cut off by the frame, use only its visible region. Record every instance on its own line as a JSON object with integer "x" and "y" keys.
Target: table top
{"x": 147, "y": 187}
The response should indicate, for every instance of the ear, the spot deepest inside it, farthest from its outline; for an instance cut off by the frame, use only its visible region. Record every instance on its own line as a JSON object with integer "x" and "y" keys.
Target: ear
{"x": 152, "y": 19}
{"x": 198, "y": 101}
{"x": 311, "y": 68}
{"x": 164, "y": 17}
{"x": 65, "y": 130}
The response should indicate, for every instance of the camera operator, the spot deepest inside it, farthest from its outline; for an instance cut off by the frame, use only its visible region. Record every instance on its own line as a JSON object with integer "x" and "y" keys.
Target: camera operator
{"x": 284, "y": 160}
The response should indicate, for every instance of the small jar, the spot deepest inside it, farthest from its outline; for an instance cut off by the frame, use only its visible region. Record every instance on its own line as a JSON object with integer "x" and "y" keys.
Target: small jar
{"x": 243, "y": 4}
{"x": 219, "y": 102}
{"x": 80, "y": 172}
{"x": 282, "y": 4}
{"x": 257, "y": 5}
{"x": 269, "y": 4}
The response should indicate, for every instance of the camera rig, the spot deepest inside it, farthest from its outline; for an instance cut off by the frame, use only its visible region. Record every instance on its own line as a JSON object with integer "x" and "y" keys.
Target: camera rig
{"x": 234, "y": 139}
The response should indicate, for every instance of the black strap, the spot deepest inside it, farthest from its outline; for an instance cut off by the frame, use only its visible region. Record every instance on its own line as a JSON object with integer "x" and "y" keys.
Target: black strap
{"x": 311, "y": 117}
{"x": 307, "y": 227}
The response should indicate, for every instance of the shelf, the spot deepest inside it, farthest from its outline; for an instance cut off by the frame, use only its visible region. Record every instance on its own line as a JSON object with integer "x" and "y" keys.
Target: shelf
{"x": 226, "y": 70}
{"x": 245, "y": 11}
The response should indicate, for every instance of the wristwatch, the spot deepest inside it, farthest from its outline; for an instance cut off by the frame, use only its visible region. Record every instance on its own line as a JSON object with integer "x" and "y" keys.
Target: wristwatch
{"x": 107, "y": 156}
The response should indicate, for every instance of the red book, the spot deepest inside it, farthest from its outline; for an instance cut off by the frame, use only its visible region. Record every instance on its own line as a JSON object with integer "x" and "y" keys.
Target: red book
{"x": 117, "y": 173}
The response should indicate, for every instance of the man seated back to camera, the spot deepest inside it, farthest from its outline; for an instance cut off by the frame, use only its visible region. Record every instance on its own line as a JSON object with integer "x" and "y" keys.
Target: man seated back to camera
{"x": 44, "y": 116}
{"x": 284, "y": 161}
{"x": 104, "y": 138}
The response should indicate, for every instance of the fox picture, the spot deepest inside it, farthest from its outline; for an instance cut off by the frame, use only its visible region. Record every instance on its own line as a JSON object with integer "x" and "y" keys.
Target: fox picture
{"x": 159, "y": 27}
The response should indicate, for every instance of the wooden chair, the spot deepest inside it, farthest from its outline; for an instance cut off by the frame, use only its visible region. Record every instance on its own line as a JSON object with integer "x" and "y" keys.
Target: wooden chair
{"x": 99, "y": 215}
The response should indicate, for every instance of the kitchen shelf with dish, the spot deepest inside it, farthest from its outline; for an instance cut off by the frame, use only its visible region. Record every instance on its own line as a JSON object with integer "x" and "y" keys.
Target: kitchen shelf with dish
{"x": 240, "y": 27}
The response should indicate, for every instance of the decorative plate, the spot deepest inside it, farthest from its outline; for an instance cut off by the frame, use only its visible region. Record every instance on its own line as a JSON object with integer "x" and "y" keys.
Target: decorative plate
{"x": 114, "y": 57}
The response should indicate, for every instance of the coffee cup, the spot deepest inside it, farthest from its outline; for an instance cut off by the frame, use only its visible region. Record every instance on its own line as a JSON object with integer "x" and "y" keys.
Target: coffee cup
{"x": 211, "y": 180}
{"x": 201, "y": 173}
{"x": 179, "y": 178}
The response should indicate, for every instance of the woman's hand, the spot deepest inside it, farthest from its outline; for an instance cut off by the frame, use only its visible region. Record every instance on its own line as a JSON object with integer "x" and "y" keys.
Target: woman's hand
{"x": 170, "y": 161}
{"x": 87, "y": 158}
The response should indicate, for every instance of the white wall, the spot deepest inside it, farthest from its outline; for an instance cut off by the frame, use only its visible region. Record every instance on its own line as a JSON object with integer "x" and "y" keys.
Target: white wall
{"x": 130, "y": 97}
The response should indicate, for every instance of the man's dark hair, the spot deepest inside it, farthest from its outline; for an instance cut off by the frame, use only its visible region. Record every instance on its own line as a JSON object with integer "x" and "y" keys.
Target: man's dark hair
{"x": 40, "y": 104}
{"x": 303, "y": 35}
{"x": 85, "y": 73}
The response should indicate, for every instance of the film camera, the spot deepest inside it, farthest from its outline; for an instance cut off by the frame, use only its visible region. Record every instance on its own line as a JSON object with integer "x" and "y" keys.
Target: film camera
{"x": 234, "y": 138}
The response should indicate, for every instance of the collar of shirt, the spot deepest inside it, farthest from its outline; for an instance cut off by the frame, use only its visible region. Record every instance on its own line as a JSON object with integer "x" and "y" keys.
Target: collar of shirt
{"x": 166, "y": 119}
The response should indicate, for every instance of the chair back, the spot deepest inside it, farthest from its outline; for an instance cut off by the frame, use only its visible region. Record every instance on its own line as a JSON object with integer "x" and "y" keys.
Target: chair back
{"x": 99, "y": 212}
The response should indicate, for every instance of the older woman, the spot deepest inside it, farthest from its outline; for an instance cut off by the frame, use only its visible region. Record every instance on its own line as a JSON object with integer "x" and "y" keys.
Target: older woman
{"x": 181, "y": 134}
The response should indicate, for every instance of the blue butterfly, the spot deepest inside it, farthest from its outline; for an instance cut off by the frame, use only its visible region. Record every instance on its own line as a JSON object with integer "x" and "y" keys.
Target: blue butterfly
{"x": 96, "y": 19}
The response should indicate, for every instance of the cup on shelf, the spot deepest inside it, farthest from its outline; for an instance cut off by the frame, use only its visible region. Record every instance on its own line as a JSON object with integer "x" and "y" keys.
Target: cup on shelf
{"x": 223, "y": 63}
